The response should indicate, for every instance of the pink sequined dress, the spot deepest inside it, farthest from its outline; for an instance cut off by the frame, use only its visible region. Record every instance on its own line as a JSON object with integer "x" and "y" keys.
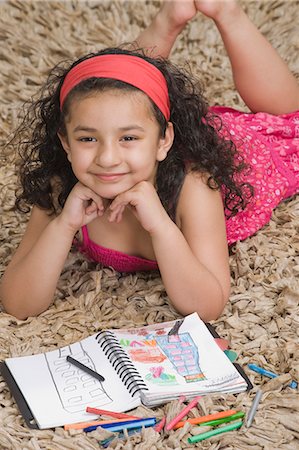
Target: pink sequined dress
{"x": 270, "y": 145}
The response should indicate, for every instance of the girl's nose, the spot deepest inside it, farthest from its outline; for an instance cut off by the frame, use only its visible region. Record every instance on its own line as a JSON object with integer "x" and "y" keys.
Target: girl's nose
{"x": 108, "y": 156}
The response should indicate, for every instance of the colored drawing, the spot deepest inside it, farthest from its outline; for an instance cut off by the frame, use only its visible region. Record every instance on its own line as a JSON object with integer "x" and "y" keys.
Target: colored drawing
{"x": 157, "y": 376}
{"x": 182, "y": 353}
{"x": 160, "y": 332}
{"x": 163, "y": 344}
{"x": 143, "y": 350}
{"x": 146, "y": 355}
{"x": 146, "y": 333}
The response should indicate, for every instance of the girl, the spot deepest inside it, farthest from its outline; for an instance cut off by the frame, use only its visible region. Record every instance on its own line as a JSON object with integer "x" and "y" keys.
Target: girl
{"x": 126, "y": 157}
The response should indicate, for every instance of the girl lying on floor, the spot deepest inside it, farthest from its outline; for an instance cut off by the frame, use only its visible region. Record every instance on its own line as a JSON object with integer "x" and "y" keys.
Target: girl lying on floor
{"x": 127, "y": 160}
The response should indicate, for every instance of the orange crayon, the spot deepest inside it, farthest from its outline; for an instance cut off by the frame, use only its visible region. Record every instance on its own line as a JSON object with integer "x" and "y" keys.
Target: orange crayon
{"x": 82, "y": 425}
{"x": 198, "y": 420}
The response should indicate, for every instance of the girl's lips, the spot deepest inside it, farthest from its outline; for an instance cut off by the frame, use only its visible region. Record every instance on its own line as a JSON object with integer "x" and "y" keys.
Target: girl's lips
{"x": 110, "y": 176}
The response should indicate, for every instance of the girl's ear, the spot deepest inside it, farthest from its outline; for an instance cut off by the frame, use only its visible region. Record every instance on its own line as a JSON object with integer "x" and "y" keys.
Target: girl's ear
{"x": 65, "y": 144}
{"x": 165, "y": 143}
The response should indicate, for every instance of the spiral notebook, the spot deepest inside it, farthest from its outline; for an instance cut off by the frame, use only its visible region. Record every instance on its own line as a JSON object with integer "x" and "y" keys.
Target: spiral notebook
{"x": 149, "y": 365}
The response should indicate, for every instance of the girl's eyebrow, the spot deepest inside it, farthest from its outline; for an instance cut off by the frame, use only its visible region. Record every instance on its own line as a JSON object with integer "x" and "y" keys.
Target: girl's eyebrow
{"x": 131, "y": 127}
{"x": 94, "y": 130}
{"x": 84, "y": 128}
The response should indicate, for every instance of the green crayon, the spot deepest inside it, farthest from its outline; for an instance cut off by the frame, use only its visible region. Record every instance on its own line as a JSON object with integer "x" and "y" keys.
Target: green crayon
{"x": 213, "y": 423}
{"x": 208, "y": 434}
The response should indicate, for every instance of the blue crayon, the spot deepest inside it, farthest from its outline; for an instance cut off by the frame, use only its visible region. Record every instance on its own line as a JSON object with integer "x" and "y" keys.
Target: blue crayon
{"x": 106, "y": 442}
{"x": 269, "y": 374}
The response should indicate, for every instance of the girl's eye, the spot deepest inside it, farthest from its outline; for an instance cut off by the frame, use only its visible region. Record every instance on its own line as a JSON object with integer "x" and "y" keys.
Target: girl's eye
{"x": 87, "y": 139}
{"x": 129, "y": 138}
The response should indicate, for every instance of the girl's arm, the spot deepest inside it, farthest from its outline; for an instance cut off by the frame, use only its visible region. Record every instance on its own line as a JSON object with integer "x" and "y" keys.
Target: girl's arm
{"x": 193, "y": 255}
{"x": 193, "y": 258}
{"x": 261, "y": 77}
{"x": 30, "y": 280}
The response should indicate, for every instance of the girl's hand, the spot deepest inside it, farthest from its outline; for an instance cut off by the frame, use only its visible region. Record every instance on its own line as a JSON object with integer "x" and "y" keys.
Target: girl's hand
{"x": 145, "y": 204}
{"x": 81, "y": 207}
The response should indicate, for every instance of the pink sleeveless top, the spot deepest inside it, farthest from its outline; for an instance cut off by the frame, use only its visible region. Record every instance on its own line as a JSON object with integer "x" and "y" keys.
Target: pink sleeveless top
{"x": 119, "y": 261}
{"x": 270, "y": 145}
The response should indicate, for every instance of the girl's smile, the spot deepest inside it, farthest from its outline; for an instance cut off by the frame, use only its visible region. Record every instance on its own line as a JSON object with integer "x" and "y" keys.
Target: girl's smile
{"x": 110, "y": 177}
{"x": 113, "y": 141}
{"x": 106, "y": 176}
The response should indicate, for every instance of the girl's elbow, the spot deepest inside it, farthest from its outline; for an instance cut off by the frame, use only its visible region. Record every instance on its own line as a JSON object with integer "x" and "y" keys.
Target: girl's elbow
{"x": 17, "y": 314}
{"x": 13, "y": 310}
{"x": 21, "y": 303}
{"x": 215, "y": 309}
{"x": 210, "y": 316}
{"x": 19, "y": 309}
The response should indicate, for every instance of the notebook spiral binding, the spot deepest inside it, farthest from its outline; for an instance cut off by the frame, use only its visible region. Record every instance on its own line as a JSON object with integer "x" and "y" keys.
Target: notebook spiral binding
{"x": 121, "y": 362}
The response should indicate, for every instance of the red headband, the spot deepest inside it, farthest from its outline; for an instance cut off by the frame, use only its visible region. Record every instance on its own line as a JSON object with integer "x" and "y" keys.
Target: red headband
{"x": 130, "y": 69}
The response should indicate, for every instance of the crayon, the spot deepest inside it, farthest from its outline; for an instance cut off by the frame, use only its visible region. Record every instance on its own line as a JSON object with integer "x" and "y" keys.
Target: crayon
{"x": 106, "y": 442}
{"x": 126, "y": 425}
{"x": 104, "y": 412}
{"x": 199, "y": 420}
{"x": 183, "y": 413}
{"x": 159, "y": 426}
{"x": 81, "y": 425}
{"x": 182, "y": 398}
{"x": 254, "y": 407}
{"x": 269, "y": 374}
{"x": 219, "y": 430}
{"x": 85, "y": 368}
{"x": 137, "y": 421}
{"x": 213, "y": 423}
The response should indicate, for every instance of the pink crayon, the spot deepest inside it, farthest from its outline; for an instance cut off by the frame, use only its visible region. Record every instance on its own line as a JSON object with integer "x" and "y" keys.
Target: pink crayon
{"x": 183, "y": 413}
{"x": 159, "y": 427}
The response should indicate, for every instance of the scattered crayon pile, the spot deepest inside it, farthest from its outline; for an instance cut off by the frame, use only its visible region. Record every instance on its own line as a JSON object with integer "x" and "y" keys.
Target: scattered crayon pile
{"x": 125, "y": 424}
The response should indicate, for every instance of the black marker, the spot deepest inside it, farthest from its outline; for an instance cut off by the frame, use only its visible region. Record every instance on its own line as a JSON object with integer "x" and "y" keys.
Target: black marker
{"x": 175, "y": 329}
{"x": 85, "y": 368}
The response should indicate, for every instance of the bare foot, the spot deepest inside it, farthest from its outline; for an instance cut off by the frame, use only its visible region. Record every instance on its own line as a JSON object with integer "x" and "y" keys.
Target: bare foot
{"x": 218, "y": 10}
{"x": 176, "y": 13}
{"x": 170, "y": 20}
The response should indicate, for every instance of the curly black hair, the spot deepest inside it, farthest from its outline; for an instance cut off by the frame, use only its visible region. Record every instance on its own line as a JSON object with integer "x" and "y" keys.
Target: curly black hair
{"x": 46, "y": 174}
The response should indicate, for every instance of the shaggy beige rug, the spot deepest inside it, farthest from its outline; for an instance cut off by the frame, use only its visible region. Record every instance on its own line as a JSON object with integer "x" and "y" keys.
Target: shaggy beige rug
{"x": 261, "y": 320}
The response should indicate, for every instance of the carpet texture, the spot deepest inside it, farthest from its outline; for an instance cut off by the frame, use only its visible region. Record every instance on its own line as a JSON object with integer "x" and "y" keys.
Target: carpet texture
{"x": 261, "y": 320}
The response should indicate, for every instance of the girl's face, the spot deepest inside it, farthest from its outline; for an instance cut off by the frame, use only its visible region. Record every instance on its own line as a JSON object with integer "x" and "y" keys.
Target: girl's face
{"x": 113, "y": 141}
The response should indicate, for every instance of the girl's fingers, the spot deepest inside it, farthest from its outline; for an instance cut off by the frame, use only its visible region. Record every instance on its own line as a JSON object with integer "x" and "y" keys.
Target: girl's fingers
{"x": 126, "y": 198}
{"x": 116, "y": 213}
{"x": 120, "y": 214}
{"x": 99, "y": 203}
{"x": 95, "y": 207}
{"x": 90, "y": 209}
{"x": 92, "y": 198}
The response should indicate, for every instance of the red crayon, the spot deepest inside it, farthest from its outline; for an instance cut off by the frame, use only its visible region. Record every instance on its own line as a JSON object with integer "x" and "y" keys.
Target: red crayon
{"x": 116, "y": 415}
